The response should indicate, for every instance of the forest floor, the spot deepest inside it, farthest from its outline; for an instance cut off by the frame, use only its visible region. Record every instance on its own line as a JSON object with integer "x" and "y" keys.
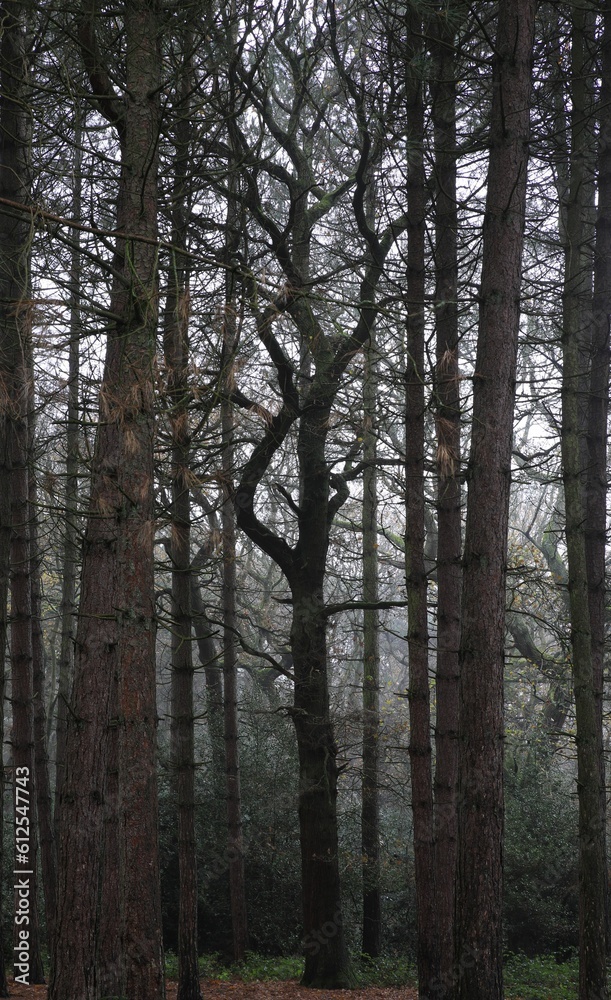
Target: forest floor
{"x": 214, "y": 989}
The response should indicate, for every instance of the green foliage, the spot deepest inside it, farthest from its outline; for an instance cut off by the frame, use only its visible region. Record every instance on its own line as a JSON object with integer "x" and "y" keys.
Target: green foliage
{"x": 540, "y": 857}
{"x": 262, "y": 968}
{"x": 388, "y": 971}
{"x": 540, "y": 978}
{"x": 392, "y": 971}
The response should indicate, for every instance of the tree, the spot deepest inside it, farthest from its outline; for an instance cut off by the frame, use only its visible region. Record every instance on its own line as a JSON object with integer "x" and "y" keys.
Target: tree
{"x": 415, "y": 569}
{"x": 370, "y": 804}
{"x": 598, "y": 405}
{"x": 478, "y": 933}
{"x": 176, "y": 350}
{"x": 582, "y": 583}
{"x": 449, "y": 527}
{"x": 15, "y": 296}
{"x": 235, "y": 840}
{"x": 112, "y": 720}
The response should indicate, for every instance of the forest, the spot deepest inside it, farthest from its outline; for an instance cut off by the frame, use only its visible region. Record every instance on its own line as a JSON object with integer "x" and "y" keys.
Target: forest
{"x": 305, "y": 316}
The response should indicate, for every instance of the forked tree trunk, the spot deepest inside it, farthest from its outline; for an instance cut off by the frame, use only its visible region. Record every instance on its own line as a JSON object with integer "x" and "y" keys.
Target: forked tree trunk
{"x": 479, "y": 893}
{"x": 326, "y": 957}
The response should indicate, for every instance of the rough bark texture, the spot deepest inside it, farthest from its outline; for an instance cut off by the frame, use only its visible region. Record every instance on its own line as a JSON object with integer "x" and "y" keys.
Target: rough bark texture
{"x": 70, "y": 553}
{"x": 41, "y": 757}
{"x": 478, "y": 933}
{"x": 235, "y": 840}
{"x": 597, "y": 482}
{"x": 370, "y": 794}
{"x": 576, "y": 341}
{"x": 326, "y": 959}
{"x": 307, "y": 399}
{"x": 15, "y": 331}
{"x": 182, "y": 735}
{"x": 209, "y": 659}
{"x": 109, "y": 921}
{"x": 420, "y": 752}
{"x": 449, "y": 572}
{"x": 182, "y": 759}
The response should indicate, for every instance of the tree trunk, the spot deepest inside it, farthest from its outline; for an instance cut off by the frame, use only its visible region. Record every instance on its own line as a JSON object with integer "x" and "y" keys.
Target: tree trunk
{"x": 176, "y": 337}
{"x": 41, "y": 757}
{"x": 235, "y": 840}
{"x": 415, "y": 571}
{"x": 326, "y": 959}
{"x": 209, "y": 659}
{"x": 449, "y": 530}
{"x": 108, "y": 852}
{"x": 70, "y": 554}
{"x": 576, "y": 341}
{"x": 598, "y": 406}
{"x": 478, "y": 933}
{"x": 370, "y": 804}
{"x": 15, "y": 125}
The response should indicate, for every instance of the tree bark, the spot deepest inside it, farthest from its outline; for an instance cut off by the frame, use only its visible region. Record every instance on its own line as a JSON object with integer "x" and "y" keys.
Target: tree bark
{"x": 478, "y": 932}
{"x": 370, "y": 795}
{"x": 176, "y": 340}
{"x": 576, "y": 343}
{"x": 41, "y": 757}
{"x": 326, "y": 959}
{"x": 449, "y": 529}
{"x": 70, "y": 554}
{"x": 108, "y": 852}
{"x": 235, "y": 839}
{"x": 15, "y": 319}
{"x": 415, "y": 570}
{"x": 598, "y": 407}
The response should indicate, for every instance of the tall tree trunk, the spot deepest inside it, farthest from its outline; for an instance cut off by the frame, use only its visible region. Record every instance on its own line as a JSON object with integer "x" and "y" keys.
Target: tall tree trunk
{"x": 15, "y": 127}
{"x": 41, "y": 757}
{"x": 598, "y": 406}
{"x": 449, "y": 531}
{"x": 70, "y": 553}
{"x": 209, "y": 659}
{"x": 235, "y": 840}
{"x": 478, "y": 934}
{"x": 415, "y": 571}
{"x": 108, "y": 852}
{"x": 576, "y": 341}
{"x": 326, "y": 958}
{"x": 370, "y": 793}
{"x": 176, "y": 337}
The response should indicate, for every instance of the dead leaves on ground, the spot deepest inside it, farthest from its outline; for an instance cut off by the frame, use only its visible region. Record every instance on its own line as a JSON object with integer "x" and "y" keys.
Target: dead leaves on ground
{"x": 213, "y": 989}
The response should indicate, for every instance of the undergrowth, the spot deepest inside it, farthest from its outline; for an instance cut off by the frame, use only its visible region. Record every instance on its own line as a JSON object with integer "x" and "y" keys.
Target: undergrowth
{"x": 540, "y": 978}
